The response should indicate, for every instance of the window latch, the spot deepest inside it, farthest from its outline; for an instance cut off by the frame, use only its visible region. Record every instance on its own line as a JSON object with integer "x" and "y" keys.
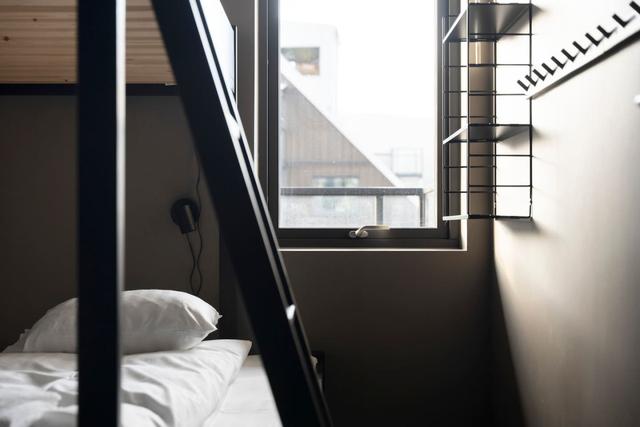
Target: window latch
{"x": 363, "y": 232}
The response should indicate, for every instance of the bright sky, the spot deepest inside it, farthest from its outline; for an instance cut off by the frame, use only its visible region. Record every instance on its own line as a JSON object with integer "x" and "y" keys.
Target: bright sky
{"x": 386, "y": 52}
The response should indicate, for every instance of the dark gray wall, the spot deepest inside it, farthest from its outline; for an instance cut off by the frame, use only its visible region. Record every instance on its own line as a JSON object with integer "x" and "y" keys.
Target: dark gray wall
{"x": 162, "y": 167}
{"x": 37, "y": 219}
{"x": 569, "y": 281}
{"x": 405, "y": 333}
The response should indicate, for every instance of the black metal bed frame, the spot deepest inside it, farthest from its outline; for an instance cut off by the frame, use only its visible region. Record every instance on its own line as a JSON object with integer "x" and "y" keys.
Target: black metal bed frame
{"x": 238, "y": 200}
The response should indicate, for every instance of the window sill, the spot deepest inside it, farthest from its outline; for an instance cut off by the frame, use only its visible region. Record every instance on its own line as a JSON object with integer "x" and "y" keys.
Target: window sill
{"x": 410, "y": 245}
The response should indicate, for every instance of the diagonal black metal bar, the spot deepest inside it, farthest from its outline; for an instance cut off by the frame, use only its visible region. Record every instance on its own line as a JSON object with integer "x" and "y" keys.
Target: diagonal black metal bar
{"x": 101, "y": 115}
{"x": 241, "y": 211}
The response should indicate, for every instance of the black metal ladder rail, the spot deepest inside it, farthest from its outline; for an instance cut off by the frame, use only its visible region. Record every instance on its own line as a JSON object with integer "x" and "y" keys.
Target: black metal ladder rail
{"x": 100, "y": 192}
{"x": 242, "y": 213}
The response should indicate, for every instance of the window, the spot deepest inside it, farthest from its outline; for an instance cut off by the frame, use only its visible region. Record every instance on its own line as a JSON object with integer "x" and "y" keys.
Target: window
{"x": 353, "y": 119}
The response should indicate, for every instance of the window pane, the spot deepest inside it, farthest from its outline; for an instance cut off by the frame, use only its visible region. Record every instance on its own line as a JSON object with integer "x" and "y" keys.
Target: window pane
{"x": 357, "y": 113}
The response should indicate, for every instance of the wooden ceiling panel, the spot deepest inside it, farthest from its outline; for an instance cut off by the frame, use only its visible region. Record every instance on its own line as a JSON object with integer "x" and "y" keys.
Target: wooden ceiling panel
{"x": 38, "y": 43}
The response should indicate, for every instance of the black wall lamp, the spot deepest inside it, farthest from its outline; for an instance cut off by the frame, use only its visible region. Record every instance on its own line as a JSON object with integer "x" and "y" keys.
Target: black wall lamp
{"x": 185, "y": 213}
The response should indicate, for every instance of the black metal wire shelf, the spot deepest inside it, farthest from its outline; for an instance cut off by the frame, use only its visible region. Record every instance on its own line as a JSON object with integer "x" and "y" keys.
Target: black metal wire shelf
{"x": 483, "y": 216}
{"x": 488, "y": 65}
{"x": 499, "y": 186}
{"x": 500, "y": 155}
{"x": 485, "y": 93}
{"x": 466, "y": 116}
{"x": 486, "y": 22}
{"x": 480, "y": 124}
{"x": 470, "y": 167}
{"x": 485, "y": 133}
{"x": 482, "y": 37}
{"x": 470, "y": 192}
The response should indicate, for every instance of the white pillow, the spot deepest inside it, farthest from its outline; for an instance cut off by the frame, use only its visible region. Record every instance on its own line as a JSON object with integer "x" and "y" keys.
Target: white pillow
{"x": 18, "y": 346}
{"x": 151, "y": 320}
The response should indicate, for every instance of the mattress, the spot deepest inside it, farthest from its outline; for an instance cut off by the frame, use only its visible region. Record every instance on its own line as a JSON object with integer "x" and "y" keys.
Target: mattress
{"x": 249, "y": 401}
{"x": 169, "y": 388}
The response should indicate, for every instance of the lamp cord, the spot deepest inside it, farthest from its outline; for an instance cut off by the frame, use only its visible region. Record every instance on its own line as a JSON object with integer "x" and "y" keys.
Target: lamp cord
{"x": 194, "y": 268}
{"x": 195, "y": 258}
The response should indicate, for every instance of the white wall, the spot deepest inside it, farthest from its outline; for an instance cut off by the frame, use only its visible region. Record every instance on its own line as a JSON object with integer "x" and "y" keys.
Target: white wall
{"x": 569, "y": 281}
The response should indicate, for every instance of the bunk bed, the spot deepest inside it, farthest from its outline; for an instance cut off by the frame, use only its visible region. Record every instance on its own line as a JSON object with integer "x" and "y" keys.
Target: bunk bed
{"x": 281, "y": 384}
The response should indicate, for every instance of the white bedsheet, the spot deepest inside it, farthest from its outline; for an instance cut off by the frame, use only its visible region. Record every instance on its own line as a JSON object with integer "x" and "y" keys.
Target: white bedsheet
{"x": 249, "y": 401}
{"x": 172, "y": 388}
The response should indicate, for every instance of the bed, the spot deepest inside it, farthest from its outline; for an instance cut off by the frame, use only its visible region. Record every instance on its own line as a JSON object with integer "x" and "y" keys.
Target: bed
{"x": 171, "y": 375}
{"x": 249, "y": 402}
{"x": 213, "y": 384}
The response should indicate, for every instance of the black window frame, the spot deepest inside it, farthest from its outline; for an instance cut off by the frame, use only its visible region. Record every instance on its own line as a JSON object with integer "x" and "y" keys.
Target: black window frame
{"x": 445, "y": 235}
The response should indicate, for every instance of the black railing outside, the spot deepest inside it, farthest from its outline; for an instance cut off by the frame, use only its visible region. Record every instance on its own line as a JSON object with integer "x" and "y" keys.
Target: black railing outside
{"x": 378, "y": 192}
